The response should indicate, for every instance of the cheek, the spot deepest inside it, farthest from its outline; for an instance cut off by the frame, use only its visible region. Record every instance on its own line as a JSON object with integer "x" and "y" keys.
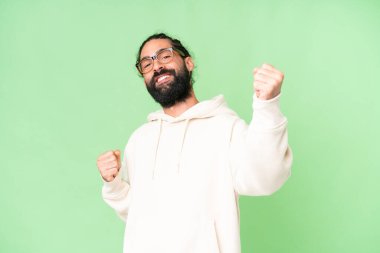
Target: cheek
{"x": 173, "y": 66}
{"x": 147, "y": 79}
{"x": 181, "y": 66}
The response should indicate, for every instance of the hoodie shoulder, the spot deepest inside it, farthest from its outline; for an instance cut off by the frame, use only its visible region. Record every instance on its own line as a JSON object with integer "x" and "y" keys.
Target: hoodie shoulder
{"x": 144, "y": 128}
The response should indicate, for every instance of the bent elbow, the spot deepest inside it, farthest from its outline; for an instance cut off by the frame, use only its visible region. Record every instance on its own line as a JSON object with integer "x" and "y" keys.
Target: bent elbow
{"x": 263, "y": 184}
{"x": 275, "y": 184}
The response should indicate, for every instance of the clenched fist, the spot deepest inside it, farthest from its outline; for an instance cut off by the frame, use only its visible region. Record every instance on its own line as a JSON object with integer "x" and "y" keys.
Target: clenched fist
{"x": 109, "y": 165}
{"x": 267, "y": 81}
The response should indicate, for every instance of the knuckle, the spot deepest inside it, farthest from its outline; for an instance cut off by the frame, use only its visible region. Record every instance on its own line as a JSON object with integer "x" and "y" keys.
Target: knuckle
{"x": 108, "y": 154}
{"x": 113, "y": 172}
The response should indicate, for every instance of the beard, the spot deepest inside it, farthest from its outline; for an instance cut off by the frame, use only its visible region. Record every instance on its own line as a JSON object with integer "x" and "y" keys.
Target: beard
{"x": 171, "y": 93}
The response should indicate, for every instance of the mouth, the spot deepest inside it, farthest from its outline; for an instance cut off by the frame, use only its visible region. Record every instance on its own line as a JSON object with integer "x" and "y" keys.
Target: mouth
{"x": 161, "y": 79}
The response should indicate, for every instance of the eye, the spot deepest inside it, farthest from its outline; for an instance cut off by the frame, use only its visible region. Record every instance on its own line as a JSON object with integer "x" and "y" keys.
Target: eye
{"x": 146, "y": 65}
{"x": 165, "y": 57}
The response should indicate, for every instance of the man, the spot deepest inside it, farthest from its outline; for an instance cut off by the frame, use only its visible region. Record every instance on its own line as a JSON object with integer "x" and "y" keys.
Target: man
{"x": 182, "y": 172}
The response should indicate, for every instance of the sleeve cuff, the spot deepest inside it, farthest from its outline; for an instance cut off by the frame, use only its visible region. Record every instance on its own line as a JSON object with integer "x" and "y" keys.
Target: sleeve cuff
{"x": 267, "y": 113}
{"x": 113, "y": 186}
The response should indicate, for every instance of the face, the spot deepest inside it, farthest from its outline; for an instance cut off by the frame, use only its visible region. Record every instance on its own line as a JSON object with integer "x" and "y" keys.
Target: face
{"x": 171, "y": 82}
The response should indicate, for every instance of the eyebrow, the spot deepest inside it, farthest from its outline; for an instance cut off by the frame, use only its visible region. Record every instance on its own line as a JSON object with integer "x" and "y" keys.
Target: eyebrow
{"x": 159, "y": 50}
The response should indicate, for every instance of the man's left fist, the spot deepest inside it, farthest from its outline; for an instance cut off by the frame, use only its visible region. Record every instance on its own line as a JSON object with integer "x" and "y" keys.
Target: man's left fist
{"x": 267, "y": 81}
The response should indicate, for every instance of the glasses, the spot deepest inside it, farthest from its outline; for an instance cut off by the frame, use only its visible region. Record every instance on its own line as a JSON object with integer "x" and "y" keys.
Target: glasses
{"x": 163, "y": 56}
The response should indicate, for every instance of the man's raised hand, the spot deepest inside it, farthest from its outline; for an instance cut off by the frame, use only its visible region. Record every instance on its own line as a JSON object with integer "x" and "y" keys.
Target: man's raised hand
{"x": 109, "y": 165}
{"x": 267, "y": 81}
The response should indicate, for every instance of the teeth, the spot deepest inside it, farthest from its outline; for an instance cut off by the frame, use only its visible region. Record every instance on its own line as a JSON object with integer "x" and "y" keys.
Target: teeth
{"x": 162, "y": 78}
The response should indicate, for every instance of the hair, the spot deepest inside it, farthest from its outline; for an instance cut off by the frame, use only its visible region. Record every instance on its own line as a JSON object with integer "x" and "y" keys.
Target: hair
{"x": 176, "y": 44}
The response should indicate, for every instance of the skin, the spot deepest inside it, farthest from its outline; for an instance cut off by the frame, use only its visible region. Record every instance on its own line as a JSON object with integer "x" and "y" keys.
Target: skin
{"x": 149, "y": 49}
{"x": 109, "y": 165}
{"x": 267, "y": 81}
{"x": 267, "y": 85}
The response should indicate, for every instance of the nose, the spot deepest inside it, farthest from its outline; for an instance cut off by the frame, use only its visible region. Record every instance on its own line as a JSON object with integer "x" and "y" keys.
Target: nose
{"x": 157, "y": 66}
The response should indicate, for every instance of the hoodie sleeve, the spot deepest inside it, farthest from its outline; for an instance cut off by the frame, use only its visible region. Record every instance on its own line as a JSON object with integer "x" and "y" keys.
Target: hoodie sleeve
{"x": 115, "y": 193}
{"x": 260, "y": 156}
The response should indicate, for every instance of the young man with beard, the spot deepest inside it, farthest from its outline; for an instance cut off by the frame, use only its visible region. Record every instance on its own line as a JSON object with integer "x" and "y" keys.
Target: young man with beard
{"x": 182, "y": 172}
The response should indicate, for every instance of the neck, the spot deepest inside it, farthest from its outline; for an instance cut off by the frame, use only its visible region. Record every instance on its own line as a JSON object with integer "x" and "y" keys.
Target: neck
{"x": 180, "y": 107}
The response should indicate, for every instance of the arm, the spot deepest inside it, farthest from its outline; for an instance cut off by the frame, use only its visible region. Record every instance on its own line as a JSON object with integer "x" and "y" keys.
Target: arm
{"x": 115, "y": 194}
{"x": 115, "y": 191}
{"x": 260, "y": 157}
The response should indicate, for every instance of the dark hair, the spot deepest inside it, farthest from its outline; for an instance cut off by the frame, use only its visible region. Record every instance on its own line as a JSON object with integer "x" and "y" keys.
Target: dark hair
{"x": 176, "y": 44}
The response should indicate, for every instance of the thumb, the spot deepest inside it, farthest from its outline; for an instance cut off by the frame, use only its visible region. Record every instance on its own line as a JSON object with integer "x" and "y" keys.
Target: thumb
{"x": 117, "y": 154}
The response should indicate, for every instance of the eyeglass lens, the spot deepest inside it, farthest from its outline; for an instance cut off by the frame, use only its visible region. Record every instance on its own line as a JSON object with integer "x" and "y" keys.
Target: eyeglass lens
{"x": 164, "y": 56}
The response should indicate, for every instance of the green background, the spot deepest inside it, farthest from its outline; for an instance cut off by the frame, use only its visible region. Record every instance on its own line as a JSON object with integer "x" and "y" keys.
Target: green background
{"x": 69, "y": 91}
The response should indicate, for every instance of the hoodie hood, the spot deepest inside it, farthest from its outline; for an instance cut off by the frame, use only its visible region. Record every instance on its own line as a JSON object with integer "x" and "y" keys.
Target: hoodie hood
{"x": 204, "y": 109}
{"x": 201, "y": 110}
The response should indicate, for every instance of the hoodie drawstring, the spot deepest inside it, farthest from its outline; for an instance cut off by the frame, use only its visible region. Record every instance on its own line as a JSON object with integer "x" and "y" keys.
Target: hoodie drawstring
{"x": 156, "y": 151}
{"x": 158, "y": 144}
{"x": 202, "y": 110}
{"x": 182, "y": 144}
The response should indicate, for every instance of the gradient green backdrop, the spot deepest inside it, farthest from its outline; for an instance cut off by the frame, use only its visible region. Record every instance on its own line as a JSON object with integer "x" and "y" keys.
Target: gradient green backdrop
{"x": 69, "y": 91}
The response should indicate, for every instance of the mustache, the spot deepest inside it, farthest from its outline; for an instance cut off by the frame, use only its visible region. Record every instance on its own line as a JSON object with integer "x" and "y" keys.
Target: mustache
{"x": 164, "y": 71}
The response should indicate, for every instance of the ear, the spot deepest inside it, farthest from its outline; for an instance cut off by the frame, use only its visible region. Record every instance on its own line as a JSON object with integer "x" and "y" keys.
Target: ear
{"x": 189, "y": 63}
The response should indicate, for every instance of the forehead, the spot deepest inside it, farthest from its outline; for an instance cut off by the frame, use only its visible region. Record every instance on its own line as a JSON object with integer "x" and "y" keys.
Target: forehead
{"x": 153, "y": 46}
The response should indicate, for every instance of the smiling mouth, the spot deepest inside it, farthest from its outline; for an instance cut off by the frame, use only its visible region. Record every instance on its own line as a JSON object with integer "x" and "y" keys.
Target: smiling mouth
{"x": 162, "y": 79}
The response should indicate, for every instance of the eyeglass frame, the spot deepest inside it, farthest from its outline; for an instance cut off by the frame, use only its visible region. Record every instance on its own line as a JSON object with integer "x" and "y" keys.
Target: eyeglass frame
{"x": 154, "y": 57}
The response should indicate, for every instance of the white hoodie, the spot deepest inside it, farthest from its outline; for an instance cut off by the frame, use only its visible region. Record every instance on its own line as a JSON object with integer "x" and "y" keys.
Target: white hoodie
{"x": 181, "y": 176}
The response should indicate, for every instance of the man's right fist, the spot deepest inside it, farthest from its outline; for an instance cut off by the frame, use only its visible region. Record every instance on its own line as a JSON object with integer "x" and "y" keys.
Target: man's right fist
{"x": 109, "y": 165}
